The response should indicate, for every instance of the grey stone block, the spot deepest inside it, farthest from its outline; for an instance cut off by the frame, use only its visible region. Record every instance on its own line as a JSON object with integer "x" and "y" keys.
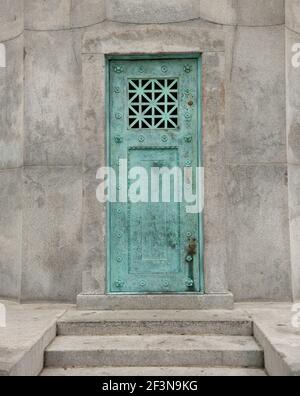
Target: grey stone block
{"x": 87, "y": 13}
{"x": 80, "y": 323}
{"x": 194, "y": 36}
{"x": 154, "y": 371}
{"x": 93, "y": 121}
{"x": 243, "y": 12}
{"x": 94, "y": 236}
{"x": 153, "y": 351}
{"x": 10, "y": 232}
{"x": 52, "y": 98}
{"x": 156, "y": 11}
{"x": 154, "y": 302}
{"x": 292, "y": 15}
{"x": 255, "y": 130}
{"x": 258, "y": 232}
{"x": 11, "y": 106}
{"x": 260, "y": 12}
{"x": 293, "y": 99}
{"x": 47, "y": 15}
{"x": 11, "y": 19}
{"x": 52, "y": 234}
{"x": 215, "y": 230}
{"x": 294, "y": 205}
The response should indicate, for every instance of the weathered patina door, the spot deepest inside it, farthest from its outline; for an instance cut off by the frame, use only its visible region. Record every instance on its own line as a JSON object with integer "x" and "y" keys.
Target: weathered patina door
{"x": 154, "y": 121}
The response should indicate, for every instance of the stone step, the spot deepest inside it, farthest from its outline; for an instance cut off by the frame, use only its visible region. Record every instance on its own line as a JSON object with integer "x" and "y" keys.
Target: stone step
{"x": 154, "y": 351}
{"x": 153, "y": 371}
{"x": 154, "y": 323}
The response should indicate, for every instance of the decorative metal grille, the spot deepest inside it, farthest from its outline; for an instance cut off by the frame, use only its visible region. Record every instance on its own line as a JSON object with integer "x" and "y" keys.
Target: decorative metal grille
{"x": 153, "y": 103}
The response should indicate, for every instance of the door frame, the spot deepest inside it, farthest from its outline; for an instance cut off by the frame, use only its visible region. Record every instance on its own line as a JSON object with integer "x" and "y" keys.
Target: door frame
{"x": 200, "y": 162}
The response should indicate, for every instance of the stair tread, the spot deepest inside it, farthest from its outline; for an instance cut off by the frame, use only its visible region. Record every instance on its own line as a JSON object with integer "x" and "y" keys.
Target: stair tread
{"x": 154, "y": 342}
{"x": 153, "y": 371}
{"x": 81, "y": 317}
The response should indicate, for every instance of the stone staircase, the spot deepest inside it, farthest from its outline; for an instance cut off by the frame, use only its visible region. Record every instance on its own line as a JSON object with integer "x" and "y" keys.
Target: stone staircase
{"x": 154, "y": 343}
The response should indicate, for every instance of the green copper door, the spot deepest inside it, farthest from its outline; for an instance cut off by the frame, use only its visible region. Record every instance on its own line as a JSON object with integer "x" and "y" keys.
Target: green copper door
{"x": 153, "y": 122}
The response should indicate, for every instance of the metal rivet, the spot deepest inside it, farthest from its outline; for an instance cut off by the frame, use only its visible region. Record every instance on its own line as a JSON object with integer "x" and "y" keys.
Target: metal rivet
{"x": 189, "y": 258}
{"x": 141, "y": 69}
{"x": 119, "y": 259}
{"x": 118, "y": 69}
{"x": 119, "y": 211}
{"x": 188, "y": 138}
{"x": 118, "y": 139}
{"x": 187, "y": 68}
{"x": 142, "y": 283}
{"x": 118, "y": 116}
{"x": 119, "y": 235}
{"x": 164, "y": 138}
{"x": 119, "y": 283}
{"x": 166, "y": 284}
{"x": 188, "y": 163}
{"x": 141, "y": 138}
{"x": 164, "y": 69}
{"x": 189, "y": 283}
{"x": 188, "y": 234}
{"x": 117, "y": 90}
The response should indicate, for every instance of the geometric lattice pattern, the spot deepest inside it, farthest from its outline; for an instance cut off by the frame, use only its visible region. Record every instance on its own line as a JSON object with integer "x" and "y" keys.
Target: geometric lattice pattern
{"x": 153, "y": 103}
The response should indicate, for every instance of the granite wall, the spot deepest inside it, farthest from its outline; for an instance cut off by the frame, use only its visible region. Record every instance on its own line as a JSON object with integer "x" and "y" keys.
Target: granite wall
{"x": 46, "y": 204}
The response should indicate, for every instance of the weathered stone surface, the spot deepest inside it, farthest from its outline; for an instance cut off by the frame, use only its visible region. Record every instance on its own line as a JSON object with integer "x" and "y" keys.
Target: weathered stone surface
{"x": 195, "y": 36}
{"x": 214, "y": 230}
{"x": 156, "y": 11}
{"x": 293, "y": 99}
{"x": 66, "y": 14}
{"x": 154, "y": 351}
{"x": 52, "y": 236}
{"x": 260, "y": 12}
{"x": 292, "y": 14}
{"x": 112, "y": 302}
{"x": 294, "y": 205}
{"x": 88, "y": 12}
{"x": 93, "y": 122}
{"x": 10, "y": 232}
{"x": 243, "y": 12}
{"x": 219, "y": 11}
{"x": 153, "y": 371}
{"x": 293, "y": 134}
{"x": 29, "y": 330}
{"x": 258, "y": 232}
{"x": 11, "y": 106}
{"x": 47, "y": 15}
{"x": 277, "y": 331}
{"x": 213, "y": 102}
{"x": 78, "y": 323}
{"x": 11, "y": 19}
{"x": 94, "y": 235}
{"x": 255, "y": 130}
{"x": 52, "y": 98}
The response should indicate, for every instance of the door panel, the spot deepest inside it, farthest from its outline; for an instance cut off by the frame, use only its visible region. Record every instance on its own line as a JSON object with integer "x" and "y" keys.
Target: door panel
{"x": 154, "y": 123}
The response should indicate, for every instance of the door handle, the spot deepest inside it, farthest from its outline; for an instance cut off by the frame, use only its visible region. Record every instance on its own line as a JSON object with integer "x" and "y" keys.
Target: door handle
{"x": 191, "y": 250}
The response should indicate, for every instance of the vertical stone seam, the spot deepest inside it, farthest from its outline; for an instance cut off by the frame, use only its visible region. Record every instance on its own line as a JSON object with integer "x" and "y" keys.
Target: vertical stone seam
{"x": 22, "y": 168}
